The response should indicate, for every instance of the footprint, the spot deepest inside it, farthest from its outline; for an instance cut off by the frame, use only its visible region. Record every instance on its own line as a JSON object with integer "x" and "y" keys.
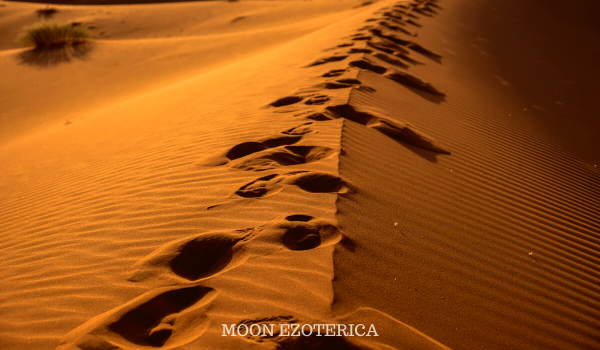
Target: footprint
{"x": 166, "y": 317}
{"x": 391, "y": 60}
{"x": 359, "y": 50}
{"x": 335, "y": 85}
{"x": 360, "y": 37}
{"x": 260, "y": 187}
{"x": 334, "y": 73}
{"x": 349, "y": 81}
{"x": 426, "y": 52}
{"x": 339, "y": 46}
{"x": 424, "y": 10}
{"x": 304, "y": 232}
{"x": 365, "y": 63}
{"x": 285, "y": 101}
{"x": 319, "y": 116}
{"x": 407, "y": 43}
{"x": 404, "y": 56}
{"x": 191, "y": 258}
{"x": 387, "y": 46}
{"x": 433, "y": 4}
{"x": 396, "y": 28}
{"x": 309, "y": 99}
{"x": 396, "y": 75}
{"x": 283, "y": 156}
{"x": 400, "y": 16}
{"x": 344, "y": 83}
{"x": 400, "y": 131}
{"x": 317, "y": 100}
{"x": 410, "y": 21}
{"x": 299, "y": 217}
{"x": 408, "y": 134}
{"x": 412, "y": 81}
{"x": 247, "y": 148}
{"x": 389, "y": 36}
{"x": 328, "y": 59}
{"x": 301, "y": 129}
{"x": 314, "y": 182}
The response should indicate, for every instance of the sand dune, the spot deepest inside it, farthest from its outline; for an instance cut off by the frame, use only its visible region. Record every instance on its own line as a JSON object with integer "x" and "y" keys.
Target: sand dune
{"x": 298, "y": 163}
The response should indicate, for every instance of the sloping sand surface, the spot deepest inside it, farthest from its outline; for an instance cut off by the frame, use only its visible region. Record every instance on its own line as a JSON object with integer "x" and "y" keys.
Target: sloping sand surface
{"x": 269, "y": 163}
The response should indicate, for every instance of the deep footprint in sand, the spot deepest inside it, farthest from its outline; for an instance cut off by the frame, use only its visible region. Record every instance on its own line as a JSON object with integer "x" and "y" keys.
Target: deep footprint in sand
{"x": 202, "y": 256}
{"x": 334, "y": 73}
{"x": 191, "y": 258}
{"x": 301, "y": 129}
{"x": 412, "y": 81}
{"x": 285, "y": 101}
{"x": 314, "y": 182}
{"x": 398, "y": 76}
{"x": 398, "y": 130}
{"x": 271, "y": 153}
{"x": 282, "y": 156}
{"x": 336, "y": 84}
{"x": 166, "y": 318}
{"x": 247, "y": 148}
{"x": 171, "y": 317}
{"x": 304, "y": 232}
{"x": 329, "y": 59}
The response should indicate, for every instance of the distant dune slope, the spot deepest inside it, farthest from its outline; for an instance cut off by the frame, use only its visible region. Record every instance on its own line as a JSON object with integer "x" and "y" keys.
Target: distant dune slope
{"x": 138, "y": 50}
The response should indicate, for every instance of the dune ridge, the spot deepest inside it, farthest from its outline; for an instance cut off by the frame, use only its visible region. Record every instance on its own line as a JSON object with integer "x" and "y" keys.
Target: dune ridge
{"x": 372, "y": 171}
{"x": 298, "y": 232}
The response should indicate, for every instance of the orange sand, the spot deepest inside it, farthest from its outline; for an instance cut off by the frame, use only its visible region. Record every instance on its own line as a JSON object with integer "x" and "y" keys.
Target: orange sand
{"x": 428, "y": 167}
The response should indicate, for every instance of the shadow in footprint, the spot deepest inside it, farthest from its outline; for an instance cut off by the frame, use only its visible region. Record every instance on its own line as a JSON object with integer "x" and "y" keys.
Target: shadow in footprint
{"x": 313, "y": 182}
{"x": 168, "y": 317}
{"x": 247, "y": 148}
{"x": 327, "y": 60}
{"x": 285, "y": 101}
{"x": 304, "y": 232}
{"x": 302, "y": 238}
{"x": 190, "y": 258}
{"x": 282, "y": 156}
{"x": 334, "y": 73}
{"x": 413, "y": 82}
{"x": 397, "y": 130}
{"x": 319, "y": 183}
{"x": 367, "y": 64}
{"x": 301, "y": 129}
{"x": 142, "y": 325}
{"x": 299, "y": 217}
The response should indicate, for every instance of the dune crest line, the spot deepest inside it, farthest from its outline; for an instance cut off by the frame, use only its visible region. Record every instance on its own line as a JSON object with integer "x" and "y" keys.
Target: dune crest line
{"x": 192, "y": 279}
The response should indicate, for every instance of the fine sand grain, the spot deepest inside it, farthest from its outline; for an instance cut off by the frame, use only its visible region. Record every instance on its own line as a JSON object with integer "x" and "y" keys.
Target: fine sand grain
{"x": 427, "y": 166}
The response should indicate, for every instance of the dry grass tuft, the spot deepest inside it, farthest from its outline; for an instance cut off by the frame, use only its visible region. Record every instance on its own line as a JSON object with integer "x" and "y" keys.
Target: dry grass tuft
{"x": 53, "y": 35}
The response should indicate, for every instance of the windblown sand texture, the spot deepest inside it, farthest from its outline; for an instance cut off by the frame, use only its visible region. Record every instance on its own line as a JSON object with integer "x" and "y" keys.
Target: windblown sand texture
{"x": 426, "y": 166}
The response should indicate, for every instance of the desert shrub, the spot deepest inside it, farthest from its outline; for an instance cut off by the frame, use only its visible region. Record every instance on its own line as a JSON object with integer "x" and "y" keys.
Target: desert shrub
{"x": 47, "y": 35}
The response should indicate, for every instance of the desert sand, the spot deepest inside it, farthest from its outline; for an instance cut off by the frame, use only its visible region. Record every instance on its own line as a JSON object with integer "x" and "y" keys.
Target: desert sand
{"x": 429, "y": 167}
